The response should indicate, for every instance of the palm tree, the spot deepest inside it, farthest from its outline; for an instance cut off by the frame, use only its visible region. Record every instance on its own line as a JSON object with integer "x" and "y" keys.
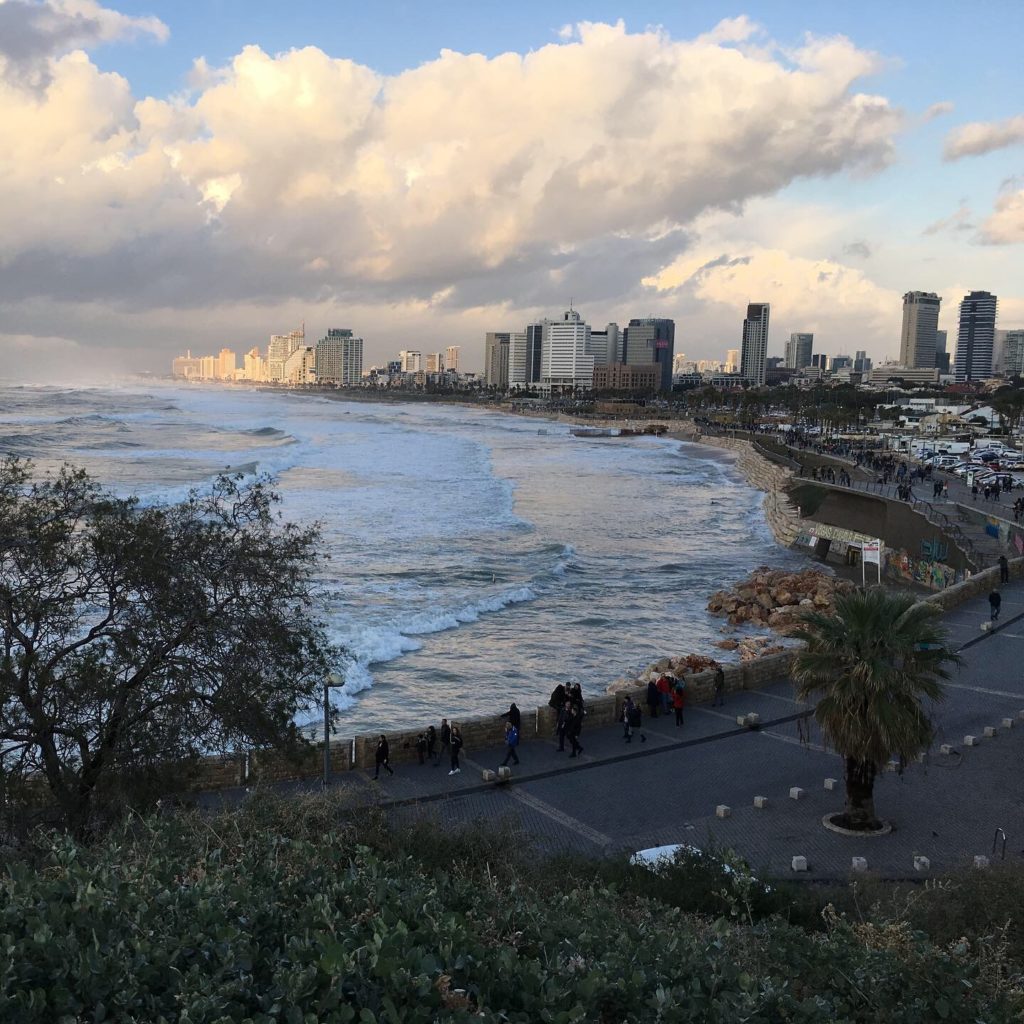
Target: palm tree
{"x": 871, "y": 667}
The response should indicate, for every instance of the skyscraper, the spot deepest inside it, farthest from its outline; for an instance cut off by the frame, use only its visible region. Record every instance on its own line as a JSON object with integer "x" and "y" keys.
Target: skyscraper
{"x": 732, "y": 360}
{"x": 339, "y": 358}
{"x": 497, "y": 349}
{"x": 411, "y": 361}
{"x": 435, "y": 362}
{"x": 1013, "y": 364}
{"x": 566, "y": 362}
{"x": 651, "y": 340}
{"x": 606, "y": 345}
{"x": 798, "y": 351}
{"x": 517, "y": 359}
{"x": 451, "y": 357}
{"x": 280, "y": 348}
{"x": 975, "y": 336}
{"x": 941, "y": 352}
{"x": 920, "y": 323}
{"x": 754, "y": 348}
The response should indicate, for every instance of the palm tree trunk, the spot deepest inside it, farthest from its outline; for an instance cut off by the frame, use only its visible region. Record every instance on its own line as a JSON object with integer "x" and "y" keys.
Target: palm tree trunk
{"x": 860, "y": 799}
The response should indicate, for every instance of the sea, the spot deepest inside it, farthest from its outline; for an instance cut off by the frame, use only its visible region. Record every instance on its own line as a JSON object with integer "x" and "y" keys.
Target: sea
{"x": 476, "y": 557}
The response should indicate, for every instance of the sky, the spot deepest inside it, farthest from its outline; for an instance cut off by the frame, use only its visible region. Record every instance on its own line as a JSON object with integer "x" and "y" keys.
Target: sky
{"x": 201, "y": 174}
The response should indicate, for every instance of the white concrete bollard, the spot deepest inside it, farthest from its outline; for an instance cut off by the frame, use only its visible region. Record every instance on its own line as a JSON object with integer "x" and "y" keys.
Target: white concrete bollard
{"x": 488, "y": 775}
{"x": 741, "y": 719}
{"x": 723, "y": 811}
{"x": 504, "y": 773}
{"x": 830, "y": 784}
{"x": 981, "y": 861}
{"x": 946, "y": 748}
{"x": 990, "y": 731}
{"x": 1007, "y": 723}
{"x": 753, "y": 718}
{"x": 971, "y": 741}
{"x": 986, "y": 626}
{"x": 799, "y": 863}
{"x": 859, "y": 864}
{"x": 796, "y": 793}
{"x": 760, "y": 802}
{"x": 921, "y": 863}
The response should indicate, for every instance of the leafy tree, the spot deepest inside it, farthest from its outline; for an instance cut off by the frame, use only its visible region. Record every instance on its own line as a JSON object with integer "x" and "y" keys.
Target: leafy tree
{"x": 134, "y": 637}
{"x": 871, "y": 666}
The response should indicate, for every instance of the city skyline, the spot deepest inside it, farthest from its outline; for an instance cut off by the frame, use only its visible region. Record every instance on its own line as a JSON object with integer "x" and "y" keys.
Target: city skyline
{"x": 176, "y": 179}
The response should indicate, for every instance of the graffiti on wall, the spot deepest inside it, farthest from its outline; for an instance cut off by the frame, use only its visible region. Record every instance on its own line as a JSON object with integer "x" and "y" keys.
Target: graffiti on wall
{"x": 925, "y": 571}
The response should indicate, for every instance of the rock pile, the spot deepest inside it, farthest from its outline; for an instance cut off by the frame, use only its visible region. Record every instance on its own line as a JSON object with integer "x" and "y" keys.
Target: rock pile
{"x": 751, "y": 647}
{"x": 679, "y": 667}
{"x": 775, "y": 598}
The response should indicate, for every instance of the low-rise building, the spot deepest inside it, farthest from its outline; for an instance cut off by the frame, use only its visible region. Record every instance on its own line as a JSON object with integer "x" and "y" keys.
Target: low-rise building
{"x": 627, "y": 377}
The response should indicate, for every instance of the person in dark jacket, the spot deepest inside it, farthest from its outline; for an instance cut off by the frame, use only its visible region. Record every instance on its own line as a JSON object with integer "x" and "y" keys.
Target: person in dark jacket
{"x": 557, "y": 698}
{"x": 1004, "y": 570}
{"x": 574, "y": 729}
{"x": 679, "y": 700}
{"x": 432, "y": 744}
{"x": 446, "y": 740}
{"x": 564, "y": 715}
{"x": 511, "y": 742}
{"x": 653, "y": 699}
{"x": 382, "y": 755}
{"x": 513, "y": 716}
{"x": 719, "y": 698}
{"x": 995, "y": 600}
{"x": 576, "y": 697}
{"x": 456, "y": 743}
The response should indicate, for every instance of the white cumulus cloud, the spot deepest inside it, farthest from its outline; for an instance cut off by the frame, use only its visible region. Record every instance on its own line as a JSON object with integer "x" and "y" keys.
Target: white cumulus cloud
{"x": 980, "y": 137}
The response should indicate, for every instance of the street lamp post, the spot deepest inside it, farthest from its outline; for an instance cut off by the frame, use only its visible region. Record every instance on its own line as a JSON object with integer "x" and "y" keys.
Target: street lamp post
{"x": 333, "y": 679}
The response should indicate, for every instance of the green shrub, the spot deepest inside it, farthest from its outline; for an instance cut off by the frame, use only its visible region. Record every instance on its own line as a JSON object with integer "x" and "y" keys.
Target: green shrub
{"x": 271, "y": 914}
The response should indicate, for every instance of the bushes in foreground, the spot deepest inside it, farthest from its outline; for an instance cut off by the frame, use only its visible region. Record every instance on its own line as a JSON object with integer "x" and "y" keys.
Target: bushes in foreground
{"x": 280, "y": 913}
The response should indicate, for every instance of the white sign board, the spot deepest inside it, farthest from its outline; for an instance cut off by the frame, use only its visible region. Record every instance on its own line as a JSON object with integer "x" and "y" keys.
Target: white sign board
{"x": 871, "y": 551}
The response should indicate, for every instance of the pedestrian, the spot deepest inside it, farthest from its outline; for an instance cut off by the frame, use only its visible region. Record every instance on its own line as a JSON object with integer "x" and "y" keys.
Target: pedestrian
{"x": 945, "y": 492}
{"x": 421, "y": 747}
{"x": 995, "y": 599}
{"x": 456, "y": 745}
{"x": 627, "y": 707}
{"x": 636, "y": 722}
{"x": 574, "y": 728}
{"x": 557, "y": 698}
{"x": 653, "y": 698}
{"x": 446, "y": 739}
{"x": 576, "y": 698}
{"x": 513, "y": 715}
{"x": 665, "y": 689}
{"x": 678, "y": 699}
{"x": 564, "y": 716}
{"x": 719, "y": 698}
{"x": 1004, "y": 570}
{"x": 432, "y": 744}
{"x": 511, "y": 742}
{"x": 381, "y": 756}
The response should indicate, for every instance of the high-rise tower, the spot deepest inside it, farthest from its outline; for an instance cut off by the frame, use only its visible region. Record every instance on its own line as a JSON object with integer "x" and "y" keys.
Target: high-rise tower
{"x": 754, "y": 348}
{"x": 920, "y": 324}
{"x": 975, "y": 336}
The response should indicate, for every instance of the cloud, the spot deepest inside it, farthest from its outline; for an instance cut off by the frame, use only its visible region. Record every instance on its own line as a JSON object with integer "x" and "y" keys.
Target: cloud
{"x": 939, "y": 109}
{"x": 859, "y": 249}
{"x": 982, "y": 137}
{"x": 844, "y": 308}
{"x": 960, "y": 219}
{"x": 469, "y": 181}
{"x": 34, "y": 31}
{"x": 1005, "y": 225}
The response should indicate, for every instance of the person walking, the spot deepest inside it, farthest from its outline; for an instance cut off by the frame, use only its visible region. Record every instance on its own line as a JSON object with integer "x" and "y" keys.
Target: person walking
{"x": 456, "y": 747}
{"x": 995, "y": 600}
{"x": 974, "y": 492}
{"x": 636, "y": 721}
{"x": 421, "y": 747}
{"x": 665, "y": 689}
{"x": 653, "y": 699}
{"x": 719, "y": 698}
{"x": 446, "y": 740}
{"x": 1004, "y": 570}
{"x": 432, "y": 744}
{"x": 564, "y": 717}
{"x": 557, "y": 698}
{"x": 573, "y": 730}
{"x": 511, "y": 742}
{"x": 678, "y": 700}
{"x": 627, "y": 707}
{"x": 381, "y": 757}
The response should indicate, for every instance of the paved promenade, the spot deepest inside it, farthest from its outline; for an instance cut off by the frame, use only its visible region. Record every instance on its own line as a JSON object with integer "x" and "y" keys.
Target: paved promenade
{"x": 620, "y": 797}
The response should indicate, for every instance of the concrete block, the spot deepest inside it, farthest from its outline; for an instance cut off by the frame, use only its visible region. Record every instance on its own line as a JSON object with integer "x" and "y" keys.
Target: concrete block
{"x": 504, "y": 773}
{"x": 1020, "y": 716}
{"x": 799, "y": 863}
{"x": 488, "y": 775}
{"x": 760, "y": 802}
{"x": 723, "y": 811}
{"x": 971, "y": 741}
{"x": 986, "y": 626}
{"x": 830, "y": 784}
{"x": 981, "y": 862}
{"x": 796, "y": 793}
{"x": 990, "y": 731}
{"x": 741, "y": 719}
{"x": 753, "y": 718}
{"x": 921, "y": 863}
{"x": 946, "y": 748}
{"x": 1007, "y": 723}
{"x": 859, "y": 864}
